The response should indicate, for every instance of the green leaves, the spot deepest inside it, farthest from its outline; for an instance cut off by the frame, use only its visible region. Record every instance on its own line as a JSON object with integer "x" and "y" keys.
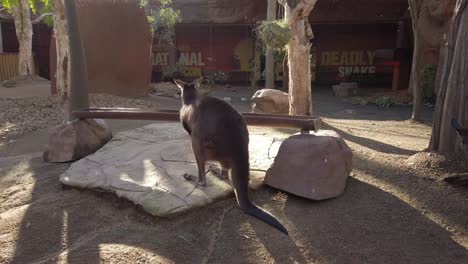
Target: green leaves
{"x": 7, "y": 4}
{"x": 162, "y": 19}
{"x": 44, "y": 6}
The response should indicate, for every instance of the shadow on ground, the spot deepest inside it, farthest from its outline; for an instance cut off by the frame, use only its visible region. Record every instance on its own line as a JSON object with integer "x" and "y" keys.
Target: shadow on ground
{"x": 386, "y": 215}
{"x": 364, "y": 225}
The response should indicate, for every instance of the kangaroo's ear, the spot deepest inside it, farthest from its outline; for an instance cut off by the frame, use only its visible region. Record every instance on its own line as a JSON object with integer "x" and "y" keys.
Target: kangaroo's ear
{"x": 197, "y": 82}
{"x": 179, "y": 83}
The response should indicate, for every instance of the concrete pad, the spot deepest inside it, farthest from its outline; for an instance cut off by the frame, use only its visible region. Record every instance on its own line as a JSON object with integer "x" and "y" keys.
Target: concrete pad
{"x": 146, "y": 166}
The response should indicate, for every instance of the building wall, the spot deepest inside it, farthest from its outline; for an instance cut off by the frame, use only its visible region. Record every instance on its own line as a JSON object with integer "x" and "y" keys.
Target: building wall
{"x": 340, "y": 52}
{"x": 116, "y": 39}
{"x": 202, "y": 48}
{"x": 357, "y": 52}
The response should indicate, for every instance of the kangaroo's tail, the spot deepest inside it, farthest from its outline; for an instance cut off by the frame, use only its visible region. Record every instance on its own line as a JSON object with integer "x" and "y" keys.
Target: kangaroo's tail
{"x": 240, "y": 180}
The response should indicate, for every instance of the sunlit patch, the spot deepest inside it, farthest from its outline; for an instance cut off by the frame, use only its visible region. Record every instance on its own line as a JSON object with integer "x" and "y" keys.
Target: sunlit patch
{"x": 6, "y": 129}
{"x": 118, "y": 253}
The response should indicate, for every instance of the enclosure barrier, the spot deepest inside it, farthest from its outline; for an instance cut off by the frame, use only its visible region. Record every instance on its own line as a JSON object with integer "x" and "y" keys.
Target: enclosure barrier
{"x": 304, "y": 123}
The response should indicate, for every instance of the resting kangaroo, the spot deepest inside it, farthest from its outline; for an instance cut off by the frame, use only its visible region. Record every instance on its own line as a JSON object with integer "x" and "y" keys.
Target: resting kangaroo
{"x": 219, "y": 133}
{"x": 462, "y": 132}
{"x": 460, "y": 179}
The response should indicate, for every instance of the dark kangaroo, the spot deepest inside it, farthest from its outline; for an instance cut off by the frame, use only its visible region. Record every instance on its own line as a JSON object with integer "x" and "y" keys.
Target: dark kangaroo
{"x": 459, "y": 179}
{"x": 219, "y": 133}
{"x": 462, "y": 132}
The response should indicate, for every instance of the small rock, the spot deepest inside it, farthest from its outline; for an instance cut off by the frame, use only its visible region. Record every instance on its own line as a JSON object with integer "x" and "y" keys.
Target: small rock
{"x": 345, "y": 89}
{"x": 9, "y": 83}
{"x": 357, "y": 101}
{"x": 227, "y": 99}
{"x": 243, "y": 99}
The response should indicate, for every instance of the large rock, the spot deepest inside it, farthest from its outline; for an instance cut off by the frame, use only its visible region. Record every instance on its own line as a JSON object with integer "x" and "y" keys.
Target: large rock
{"x": 77, "y": 139}
{"x": 270, "y": 101}
{"x": 311, "y": 166}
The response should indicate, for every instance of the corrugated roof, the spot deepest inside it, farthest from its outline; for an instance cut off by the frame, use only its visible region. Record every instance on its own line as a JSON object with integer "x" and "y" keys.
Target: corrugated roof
{"x": 326, "y": 11}
{"x": 358, "y": 11}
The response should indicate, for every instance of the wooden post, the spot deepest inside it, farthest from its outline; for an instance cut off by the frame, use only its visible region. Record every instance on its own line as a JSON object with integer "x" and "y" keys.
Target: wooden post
{"x": 396, "y": 75}
{"x": 78, "y": 79}
{"x": 270, "y": 53}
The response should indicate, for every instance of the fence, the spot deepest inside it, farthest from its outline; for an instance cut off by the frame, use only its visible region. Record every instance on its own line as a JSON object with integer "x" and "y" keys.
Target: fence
{"x": 9, "y": 66}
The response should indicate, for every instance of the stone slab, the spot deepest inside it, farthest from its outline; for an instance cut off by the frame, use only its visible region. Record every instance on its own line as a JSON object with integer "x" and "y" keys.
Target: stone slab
{"x": 146, "y": 166}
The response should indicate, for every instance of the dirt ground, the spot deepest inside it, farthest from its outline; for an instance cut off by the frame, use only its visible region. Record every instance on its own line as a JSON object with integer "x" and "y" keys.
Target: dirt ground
{"x": 395, "y": 209}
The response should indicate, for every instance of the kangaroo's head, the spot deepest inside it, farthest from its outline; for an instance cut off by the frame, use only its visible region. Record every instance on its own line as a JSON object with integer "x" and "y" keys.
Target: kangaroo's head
{"x": 188, "y": 90}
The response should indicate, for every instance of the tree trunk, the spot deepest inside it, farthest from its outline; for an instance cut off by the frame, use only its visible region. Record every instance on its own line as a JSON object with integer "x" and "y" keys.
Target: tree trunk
{"x": 270, "y": 53}
{"x": 300, "y": 98}
{"x": 285, "y": 74}
{"x": 23, "y": 25}
{"x": 415, "y": 80}
{"x": 63, "y": 53}
{"x": 453, "y": 86}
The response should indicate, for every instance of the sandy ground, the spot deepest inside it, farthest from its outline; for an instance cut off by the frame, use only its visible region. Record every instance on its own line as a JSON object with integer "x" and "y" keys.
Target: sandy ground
{"x": 393, "y": 210}
{"x": 26, "y": 88}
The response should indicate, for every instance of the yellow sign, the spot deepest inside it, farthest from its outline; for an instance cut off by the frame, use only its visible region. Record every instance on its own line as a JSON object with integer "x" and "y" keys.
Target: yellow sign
{"x": 160, "y": 59}
{"x": 191, "y": 59}
{"x": 350, "y": 62}
{"x": 344, "y": 58}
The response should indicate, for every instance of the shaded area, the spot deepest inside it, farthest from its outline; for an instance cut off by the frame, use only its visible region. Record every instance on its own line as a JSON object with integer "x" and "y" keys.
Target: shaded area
{"x": 388, "y": 214}
{"x": 365, "y": 224}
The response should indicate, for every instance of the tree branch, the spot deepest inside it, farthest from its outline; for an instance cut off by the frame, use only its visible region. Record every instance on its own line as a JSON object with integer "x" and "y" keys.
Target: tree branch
{"x": 300, "y": 9}
{"x": 6, "y": 16}
{"x": 41, "y": 17}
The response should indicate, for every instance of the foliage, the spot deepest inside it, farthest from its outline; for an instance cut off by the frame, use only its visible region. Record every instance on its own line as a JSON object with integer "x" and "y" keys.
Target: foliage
{"x": 45, "y": 6}
{"x": 213, "y": 77}
{"x": 427, "y": 78}
{"x": 162, "y": 20}
{"x": 171, "y": 71}
{"x": 384, "y": 101}
{"x": 275, "y": 34}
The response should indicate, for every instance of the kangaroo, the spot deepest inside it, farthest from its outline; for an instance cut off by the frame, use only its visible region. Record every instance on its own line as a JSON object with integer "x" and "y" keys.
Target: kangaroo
{"x": 219, "y": 133}
{"x": 460, "y": 179}
{"x": 462, "y": 132}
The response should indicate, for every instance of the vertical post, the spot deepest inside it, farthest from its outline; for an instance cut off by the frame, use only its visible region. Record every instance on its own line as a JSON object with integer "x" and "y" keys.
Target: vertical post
{"x": 396, "y": 75}
{"x": 78, "y": 79}
{"x": 270, "y": 54}
{"x": 1, "y": 39}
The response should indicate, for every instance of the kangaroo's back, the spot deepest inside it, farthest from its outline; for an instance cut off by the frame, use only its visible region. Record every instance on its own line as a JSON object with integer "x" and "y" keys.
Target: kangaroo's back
{"x": 217, "y": 123}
